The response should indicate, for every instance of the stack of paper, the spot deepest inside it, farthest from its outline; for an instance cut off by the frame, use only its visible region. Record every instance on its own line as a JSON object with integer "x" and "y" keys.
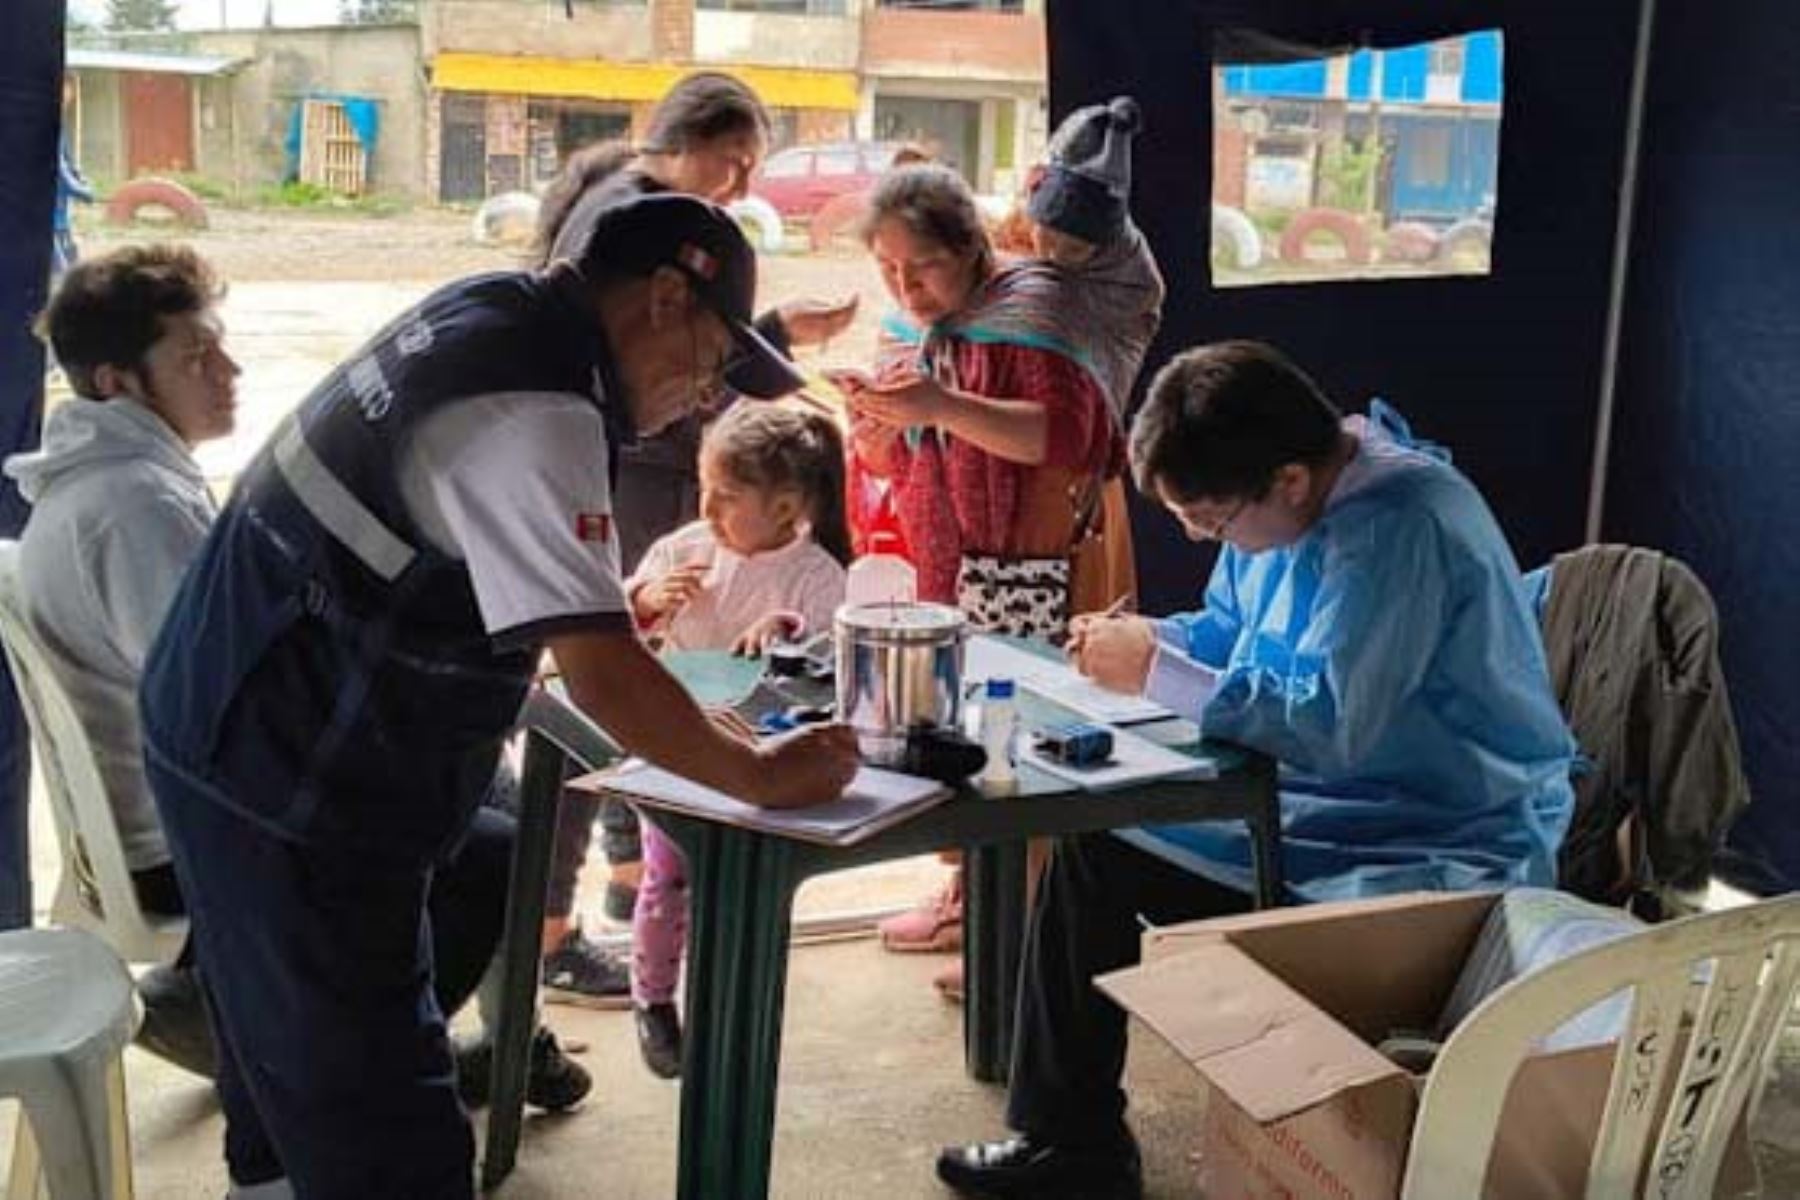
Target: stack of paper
{"x": 986, "y": 658}
{"x": 875, "y": 800}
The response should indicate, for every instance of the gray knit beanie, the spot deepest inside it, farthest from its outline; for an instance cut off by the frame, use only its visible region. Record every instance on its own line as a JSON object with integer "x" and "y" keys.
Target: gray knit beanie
{"x": 1087, "y": 178}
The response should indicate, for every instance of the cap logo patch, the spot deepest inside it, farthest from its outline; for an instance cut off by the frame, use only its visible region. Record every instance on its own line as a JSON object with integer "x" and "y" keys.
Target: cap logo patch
{"x": 701, "y": 263}
{"x": 593, "y": 527}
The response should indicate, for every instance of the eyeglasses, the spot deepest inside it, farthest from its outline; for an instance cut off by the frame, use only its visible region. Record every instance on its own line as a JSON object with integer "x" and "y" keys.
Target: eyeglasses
{"x": 1218, "y": 529}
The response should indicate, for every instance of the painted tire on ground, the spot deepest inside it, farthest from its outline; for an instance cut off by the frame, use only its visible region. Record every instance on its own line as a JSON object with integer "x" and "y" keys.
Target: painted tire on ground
{"x": 762, "y": 224}
{"x": 1473, "y": 238}
{"x": 123, "y": 208}
{"x": 1235, "y": 239}
{"x": 834, "y": 226}
{"x": 1335, "y": 221}
{"x": 508, "y": 219}
{"x": 1410, "y": 242}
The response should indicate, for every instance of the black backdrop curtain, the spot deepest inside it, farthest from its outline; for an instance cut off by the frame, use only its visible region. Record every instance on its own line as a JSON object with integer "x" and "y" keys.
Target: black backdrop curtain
{"x": 1503, "y": 369}
{"x": 31, "y": 57}
{"x": 1706, "y": 448}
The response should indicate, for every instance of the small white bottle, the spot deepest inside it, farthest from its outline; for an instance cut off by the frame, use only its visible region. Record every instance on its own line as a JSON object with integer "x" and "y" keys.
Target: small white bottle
{"x": 999, "y": 724}
{"x": 881, "y": 576}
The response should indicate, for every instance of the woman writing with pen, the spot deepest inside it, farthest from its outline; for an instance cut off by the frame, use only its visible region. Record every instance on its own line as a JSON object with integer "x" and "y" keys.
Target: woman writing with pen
{"x": 985, "y": 420}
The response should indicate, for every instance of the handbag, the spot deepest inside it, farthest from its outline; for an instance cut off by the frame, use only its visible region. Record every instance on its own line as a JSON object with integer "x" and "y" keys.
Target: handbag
{"x": 1019, "y": 597}
{"x": 1030, "y": 596}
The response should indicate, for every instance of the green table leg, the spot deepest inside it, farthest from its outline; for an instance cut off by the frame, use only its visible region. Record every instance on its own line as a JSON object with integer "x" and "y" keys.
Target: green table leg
{"x": 540, "y": 791}
{"x": 741, "y": 888}
{"x": 993, "y": 942}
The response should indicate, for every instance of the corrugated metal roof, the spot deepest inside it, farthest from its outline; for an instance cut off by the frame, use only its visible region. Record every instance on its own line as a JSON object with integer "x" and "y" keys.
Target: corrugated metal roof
{"x": 168, "y": 64}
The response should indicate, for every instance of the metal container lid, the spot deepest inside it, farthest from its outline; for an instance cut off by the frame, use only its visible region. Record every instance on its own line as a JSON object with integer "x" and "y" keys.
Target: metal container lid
{"x": 895, "y": 621}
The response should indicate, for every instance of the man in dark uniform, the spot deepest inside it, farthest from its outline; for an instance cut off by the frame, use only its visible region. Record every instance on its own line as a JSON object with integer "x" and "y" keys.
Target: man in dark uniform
{"x": 326, "y": 702}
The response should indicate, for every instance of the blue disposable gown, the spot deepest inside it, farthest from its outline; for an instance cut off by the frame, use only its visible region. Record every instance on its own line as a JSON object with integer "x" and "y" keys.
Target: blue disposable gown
{"x": 1389, "y": 661}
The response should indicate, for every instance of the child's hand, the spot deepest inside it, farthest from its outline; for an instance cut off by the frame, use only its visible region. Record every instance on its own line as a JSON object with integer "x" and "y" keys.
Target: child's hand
{"x": 755, "y": 641}
{"x": 669, "y": 594}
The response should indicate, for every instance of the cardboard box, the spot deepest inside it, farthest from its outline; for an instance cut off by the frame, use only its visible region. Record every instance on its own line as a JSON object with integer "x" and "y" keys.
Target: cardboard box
{"x": 1280, "y": 1012}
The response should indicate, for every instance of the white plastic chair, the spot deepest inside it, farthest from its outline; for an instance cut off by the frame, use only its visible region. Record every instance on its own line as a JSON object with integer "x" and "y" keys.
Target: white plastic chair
{"x": 1749, "y": 960}
{"x": 96, "y": 892}
{"x": 67, "y": 1011}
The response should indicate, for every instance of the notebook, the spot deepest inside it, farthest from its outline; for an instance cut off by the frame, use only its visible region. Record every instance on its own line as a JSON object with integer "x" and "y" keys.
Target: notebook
{"x": 874, "y": 801}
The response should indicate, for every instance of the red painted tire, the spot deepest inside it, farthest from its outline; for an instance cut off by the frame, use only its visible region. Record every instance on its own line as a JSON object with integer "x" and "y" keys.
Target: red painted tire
{"x": 123, "y": 208}
{"x": 835, "y": 226}
{"x": 1335, "y": 221}
{"x": 1410, "y": 242}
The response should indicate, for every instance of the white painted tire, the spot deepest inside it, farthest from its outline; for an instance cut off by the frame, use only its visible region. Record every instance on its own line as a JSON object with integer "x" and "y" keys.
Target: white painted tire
{"x": 1235, "y": 236}
{"x": 508, "y": 219}
{"x": 754, "y": 212}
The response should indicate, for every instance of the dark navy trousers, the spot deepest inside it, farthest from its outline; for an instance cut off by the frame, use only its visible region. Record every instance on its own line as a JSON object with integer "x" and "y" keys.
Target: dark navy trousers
{"x": 329, "y": 974}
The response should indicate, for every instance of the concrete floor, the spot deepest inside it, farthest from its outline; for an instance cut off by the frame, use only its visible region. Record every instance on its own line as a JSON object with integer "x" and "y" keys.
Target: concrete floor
{"x": 872, "y": 1083}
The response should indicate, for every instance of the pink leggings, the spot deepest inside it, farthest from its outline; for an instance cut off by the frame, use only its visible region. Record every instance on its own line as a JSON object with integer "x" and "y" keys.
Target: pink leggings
{"x": 659, "y": 923}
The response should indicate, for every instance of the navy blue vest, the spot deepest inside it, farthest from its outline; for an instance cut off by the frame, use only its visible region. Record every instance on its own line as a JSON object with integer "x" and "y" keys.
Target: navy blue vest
{"x": 324, "y": 670}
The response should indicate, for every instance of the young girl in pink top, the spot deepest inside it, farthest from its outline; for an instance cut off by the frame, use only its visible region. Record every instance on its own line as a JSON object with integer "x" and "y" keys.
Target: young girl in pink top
{"x": 765, "y": 561}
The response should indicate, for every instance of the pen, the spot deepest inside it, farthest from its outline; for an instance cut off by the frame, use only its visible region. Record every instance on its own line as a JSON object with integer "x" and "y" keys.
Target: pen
{"x": 1117, "y": 606}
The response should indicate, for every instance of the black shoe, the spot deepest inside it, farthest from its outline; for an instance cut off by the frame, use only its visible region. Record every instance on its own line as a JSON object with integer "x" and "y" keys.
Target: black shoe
{"x": 582, "y": 973}
{"x": 659, "y": 1039}
{"x": 176, "y": 1026}
{"x": 553, "y": 1080}
{"x": 620, "y": 902}
{"x": 1022, "y": 1168}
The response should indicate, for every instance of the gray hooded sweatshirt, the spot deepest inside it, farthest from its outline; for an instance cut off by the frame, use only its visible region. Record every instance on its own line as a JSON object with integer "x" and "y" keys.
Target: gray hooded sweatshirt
{"x": 119, "y": 509}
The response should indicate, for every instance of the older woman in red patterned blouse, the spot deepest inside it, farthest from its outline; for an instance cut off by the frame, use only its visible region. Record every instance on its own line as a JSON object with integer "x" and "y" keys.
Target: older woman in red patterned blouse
{"x": 986, "y": 418}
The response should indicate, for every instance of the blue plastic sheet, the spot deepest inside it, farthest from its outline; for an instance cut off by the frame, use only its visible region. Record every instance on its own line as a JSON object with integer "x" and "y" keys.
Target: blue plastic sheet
{"x": 364, "y": 115}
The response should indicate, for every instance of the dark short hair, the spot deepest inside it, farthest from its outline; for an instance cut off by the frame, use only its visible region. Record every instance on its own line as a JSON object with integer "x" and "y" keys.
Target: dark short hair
{"x": 932, "y": 202}
{"x": 108, "y": 310}
{"x": 1220, "y": 420}
{"x": 700, "y": 107}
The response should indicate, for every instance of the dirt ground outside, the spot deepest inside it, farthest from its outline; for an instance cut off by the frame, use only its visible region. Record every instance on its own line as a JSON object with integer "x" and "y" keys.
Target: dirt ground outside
{"x": 306, "y": 289}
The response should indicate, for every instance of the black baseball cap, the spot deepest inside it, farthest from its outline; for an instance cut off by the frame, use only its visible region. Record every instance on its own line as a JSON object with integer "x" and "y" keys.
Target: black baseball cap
{"x": 703, "y": 242}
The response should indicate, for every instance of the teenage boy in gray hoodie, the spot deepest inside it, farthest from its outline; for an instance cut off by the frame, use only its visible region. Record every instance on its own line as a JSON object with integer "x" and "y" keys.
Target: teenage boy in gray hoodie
{"x": 119, "y": 509}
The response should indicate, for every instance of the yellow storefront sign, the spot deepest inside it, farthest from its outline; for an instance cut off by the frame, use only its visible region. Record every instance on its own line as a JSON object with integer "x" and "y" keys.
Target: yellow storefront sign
{"x": 521, "y": 75}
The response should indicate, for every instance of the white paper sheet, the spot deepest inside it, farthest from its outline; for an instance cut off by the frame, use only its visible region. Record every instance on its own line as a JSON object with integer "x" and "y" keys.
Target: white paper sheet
{"x": 1134, "y": 760}
{"x": 874, "y": 801}
{"x": 1056, "y": 680}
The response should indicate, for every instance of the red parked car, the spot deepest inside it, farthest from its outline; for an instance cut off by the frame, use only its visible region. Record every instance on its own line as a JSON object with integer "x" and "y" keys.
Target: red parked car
{"x": 801, "y": 180}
